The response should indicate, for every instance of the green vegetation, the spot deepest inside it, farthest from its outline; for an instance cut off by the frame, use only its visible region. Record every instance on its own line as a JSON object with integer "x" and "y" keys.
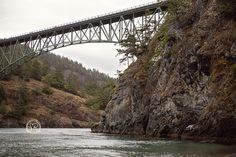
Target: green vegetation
{"x": 23, "y": 94}
{"x": 233, "y": 69}
{"x": 2, "y": 94}
{"x": 136, "y": 45}
{"x": 102, "y": 95}
{"x": 2, "y": 98}
{"x": 2, "y": 109}
{"x": 61, "y": 73}
{"x": 47, "y": 90}
{"x": 90, "y": 88}
{"x": 30, "y": 70}
{"x": 228, "y": 8}
{"x": 178, "y": 12}
{"x": 36, "y": 91}
{"x": 55, "y": 80}
{"x": 70, "y": 85}
{"x": 70, "y": 88}
{"x": 35, "y": 70}
{"x": 128, "y": 49}
{"x": 178, "y": 9}
{"x": 165, "y": 36}
{"x": 21, "y": 102}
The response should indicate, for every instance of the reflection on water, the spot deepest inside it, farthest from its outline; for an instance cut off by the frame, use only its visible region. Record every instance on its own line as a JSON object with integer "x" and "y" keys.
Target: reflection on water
{"x": 80, "y": 142}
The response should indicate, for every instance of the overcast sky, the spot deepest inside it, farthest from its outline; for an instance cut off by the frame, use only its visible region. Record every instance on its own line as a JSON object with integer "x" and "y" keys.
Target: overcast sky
{"x": 20, "y": 16}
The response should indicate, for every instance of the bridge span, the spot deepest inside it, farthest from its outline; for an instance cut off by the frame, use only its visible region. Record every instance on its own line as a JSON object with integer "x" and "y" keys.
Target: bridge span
{"x": 110, "y": 28}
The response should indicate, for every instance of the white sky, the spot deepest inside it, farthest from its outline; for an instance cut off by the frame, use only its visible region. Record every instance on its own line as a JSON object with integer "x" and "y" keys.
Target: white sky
{"x": 20, "y": 16}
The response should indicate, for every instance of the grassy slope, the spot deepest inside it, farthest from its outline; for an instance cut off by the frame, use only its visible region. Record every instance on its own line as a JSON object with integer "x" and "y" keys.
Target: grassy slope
{"x": 60, "y": 109}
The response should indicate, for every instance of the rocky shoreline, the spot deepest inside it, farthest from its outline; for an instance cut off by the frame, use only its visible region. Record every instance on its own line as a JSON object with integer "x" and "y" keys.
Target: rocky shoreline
{"x": 97, "y": 128}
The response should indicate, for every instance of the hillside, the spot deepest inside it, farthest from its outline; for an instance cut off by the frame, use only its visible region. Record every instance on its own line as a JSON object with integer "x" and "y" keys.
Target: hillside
{"x": 55, "y": 90}
{"x": 58, "y": 109}
{"x": 183, "y": 85}
{"x": 72, "y": 69}
{"x": 61, "y": 72}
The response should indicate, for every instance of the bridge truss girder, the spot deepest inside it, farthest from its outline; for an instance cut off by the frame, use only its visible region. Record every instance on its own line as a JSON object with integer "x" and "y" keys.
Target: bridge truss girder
{"x": 12, "y": 56}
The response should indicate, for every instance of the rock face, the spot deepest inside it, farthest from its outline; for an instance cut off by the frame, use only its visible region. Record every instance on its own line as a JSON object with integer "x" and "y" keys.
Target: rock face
{"x": 189, "y": 90}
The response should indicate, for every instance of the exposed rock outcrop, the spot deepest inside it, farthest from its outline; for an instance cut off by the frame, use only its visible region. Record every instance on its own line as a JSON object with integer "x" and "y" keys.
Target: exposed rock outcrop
{"x": 189, "y": 90}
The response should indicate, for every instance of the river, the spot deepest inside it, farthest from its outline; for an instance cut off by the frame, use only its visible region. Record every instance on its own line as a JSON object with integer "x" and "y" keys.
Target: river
{"x": 82, "y": 143}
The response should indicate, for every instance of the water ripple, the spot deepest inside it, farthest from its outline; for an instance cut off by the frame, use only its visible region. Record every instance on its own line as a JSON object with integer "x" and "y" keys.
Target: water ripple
{"x": 81, "y": 142}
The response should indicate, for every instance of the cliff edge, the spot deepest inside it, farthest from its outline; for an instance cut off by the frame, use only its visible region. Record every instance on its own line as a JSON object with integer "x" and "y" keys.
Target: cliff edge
{"x": 184, "y": 86}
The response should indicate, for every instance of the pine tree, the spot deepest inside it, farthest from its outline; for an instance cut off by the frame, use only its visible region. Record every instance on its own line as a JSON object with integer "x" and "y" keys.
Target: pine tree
{"x": 70, "y": 85}
{"x": 36, "y": 70}
{"x": 135, "y": 45}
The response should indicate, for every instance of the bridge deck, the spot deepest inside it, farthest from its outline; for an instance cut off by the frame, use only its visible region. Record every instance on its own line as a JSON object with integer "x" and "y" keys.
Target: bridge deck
{"x": 83, "y": 24}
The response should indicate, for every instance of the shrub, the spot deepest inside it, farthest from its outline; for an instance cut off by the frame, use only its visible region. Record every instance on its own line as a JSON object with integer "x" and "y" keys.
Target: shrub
{"x": 2, "y": 109}
{"x": 6, "y": 77}
{"x": 54, "y": 81}
{"x": 70, "y": 89}
{"x": 19, "y": 111}
{"x": 36, "y": 91}
{"x": 227, "y": 7}
{"x": 23, "y": 95}
{"x": 178, "y": 9}
{"x": 35, "y": 70}
{"x": 90, "y": 88}
{"x": 2, "y": 94}
{"x": 21, "y": 104}
{"x": 71, "y": 84}
{"x": 47, "y": 90}
{"x": 103, "y": 96}
{"x": 233, "y": 69}
{"x": 82, "y": 94}
{"x": 22, "y": 100}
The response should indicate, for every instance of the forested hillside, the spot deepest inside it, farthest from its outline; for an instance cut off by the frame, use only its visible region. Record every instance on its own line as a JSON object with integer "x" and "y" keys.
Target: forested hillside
{"x": 61, "y": 73}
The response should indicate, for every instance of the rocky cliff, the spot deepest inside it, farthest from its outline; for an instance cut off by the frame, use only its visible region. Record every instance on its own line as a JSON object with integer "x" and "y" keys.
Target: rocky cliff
{"x": 186, "y": 88}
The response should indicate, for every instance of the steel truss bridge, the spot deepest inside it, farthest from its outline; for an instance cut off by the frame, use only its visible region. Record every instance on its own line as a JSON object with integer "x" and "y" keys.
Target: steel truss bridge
{"x": 108, "y": 28}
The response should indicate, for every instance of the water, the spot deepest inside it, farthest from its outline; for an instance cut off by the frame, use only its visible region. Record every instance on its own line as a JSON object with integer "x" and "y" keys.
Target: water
{"x": 82, "y": 143}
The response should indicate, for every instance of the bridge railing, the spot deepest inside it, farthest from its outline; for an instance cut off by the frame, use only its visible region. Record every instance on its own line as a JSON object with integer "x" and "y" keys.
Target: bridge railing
{"x": 85, "y": 19}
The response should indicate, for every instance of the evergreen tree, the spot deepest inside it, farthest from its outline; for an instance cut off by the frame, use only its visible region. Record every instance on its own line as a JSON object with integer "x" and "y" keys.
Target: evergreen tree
{"x": 22, "y": 102}
{"x": 54, "y": 80}
{"x": 136, "y": 44}
{"x": 102, "y": 96}
{"x": 70, "y": 85}
{"x": 36, "y": 70}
